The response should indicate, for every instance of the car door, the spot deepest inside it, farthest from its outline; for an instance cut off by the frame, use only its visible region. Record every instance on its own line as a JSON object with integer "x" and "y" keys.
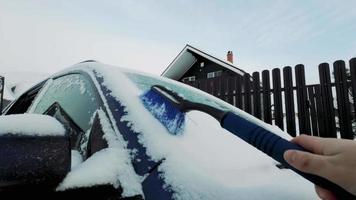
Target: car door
{"x": 73, "y": 100}
{"x": 21, "y": 104}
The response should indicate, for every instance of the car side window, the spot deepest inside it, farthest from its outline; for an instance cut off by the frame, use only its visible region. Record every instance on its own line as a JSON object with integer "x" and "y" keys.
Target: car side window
{"x": 75, "y": 94}
{"x": 21, "y": 105}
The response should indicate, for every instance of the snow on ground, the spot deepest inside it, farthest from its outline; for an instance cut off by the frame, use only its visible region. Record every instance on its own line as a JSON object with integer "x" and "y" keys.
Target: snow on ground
{"x": 30, "y": 124}
{"x": 205, "y": 162}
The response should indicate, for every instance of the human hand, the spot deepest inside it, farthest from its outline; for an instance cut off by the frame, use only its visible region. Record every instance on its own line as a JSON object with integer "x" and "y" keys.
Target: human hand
{"x": 333, "y": 159}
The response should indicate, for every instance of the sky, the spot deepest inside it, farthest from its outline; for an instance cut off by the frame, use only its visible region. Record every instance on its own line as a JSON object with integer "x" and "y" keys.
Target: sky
{"x": 45, "y": 36}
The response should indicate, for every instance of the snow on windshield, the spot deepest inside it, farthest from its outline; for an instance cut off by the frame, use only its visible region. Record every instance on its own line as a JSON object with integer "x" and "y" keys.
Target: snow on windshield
{"x": 30, "y": 124}
{"x": 205, "y": 162}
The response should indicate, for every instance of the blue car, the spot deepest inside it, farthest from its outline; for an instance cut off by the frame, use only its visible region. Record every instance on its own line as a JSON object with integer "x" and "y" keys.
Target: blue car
{"x": 114, "y": 148}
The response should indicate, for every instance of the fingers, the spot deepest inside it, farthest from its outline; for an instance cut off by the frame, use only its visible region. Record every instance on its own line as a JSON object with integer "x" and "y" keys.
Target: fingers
{"x": 324, "y": 194}
{"x": 306, "y": 162}
{"x": 313, "y": 144}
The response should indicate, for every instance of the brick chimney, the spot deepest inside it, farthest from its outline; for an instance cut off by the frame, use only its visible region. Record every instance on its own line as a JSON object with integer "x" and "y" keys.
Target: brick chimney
{"x": 230, "y": 57}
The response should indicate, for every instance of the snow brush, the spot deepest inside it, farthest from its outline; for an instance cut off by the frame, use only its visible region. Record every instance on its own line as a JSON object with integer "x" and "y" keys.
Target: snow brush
{"x": 170, "y": 108}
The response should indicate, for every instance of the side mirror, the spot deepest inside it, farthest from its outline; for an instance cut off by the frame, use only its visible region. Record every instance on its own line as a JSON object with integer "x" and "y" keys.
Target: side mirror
{"x": 34, "y": 152}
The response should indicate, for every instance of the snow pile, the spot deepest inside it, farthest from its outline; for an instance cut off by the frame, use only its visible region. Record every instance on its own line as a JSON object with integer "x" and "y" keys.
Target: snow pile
{"x": 205, "y": 162}
{"x": 30, "y": 124}
{"x": 111, "y": 165}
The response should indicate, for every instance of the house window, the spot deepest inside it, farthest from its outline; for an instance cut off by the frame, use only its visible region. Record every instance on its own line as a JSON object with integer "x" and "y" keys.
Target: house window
{"x": 202, "y": 64}
{"x": 189, "y": 79}
{"x": 214, "y": 74}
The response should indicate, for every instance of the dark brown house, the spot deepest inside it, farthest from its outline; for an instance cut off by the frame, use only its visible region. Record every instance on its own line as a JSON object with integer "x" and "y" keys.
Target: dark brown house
{"x": 192, "y": 64}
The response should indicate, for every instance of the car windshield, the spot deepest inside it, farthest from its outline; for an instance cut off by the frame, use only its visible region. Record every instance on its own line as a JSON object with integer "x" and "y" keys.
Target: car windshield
{"x": 205, "y": 161}
{"x": 145, "y": 82}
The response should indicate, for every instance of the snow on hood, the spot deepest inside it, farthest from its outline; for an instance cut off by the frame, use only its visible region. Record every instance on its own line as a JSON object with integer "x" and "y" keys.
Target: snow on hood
{"x": 30, "y": 124}
{"x": 206, "y": 161}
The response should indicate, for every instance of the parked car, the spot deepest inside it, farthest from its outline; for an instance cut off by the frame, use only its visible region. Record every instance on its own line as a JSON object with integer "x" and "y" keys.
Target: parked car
{"x": 113, "y": 146}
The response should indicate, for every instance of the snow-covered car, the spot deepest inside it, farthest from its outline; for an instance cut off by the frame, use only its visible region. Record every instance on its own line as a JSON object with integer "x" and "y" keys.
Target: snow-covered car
{"x": 117, "y": 147}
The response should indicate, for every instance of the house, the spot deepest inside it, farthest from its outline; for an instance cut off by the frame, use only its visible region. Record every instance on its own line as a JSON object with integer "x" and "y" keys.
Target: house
{"x": 192, "y": 64}
{"x": 199, "y": 69}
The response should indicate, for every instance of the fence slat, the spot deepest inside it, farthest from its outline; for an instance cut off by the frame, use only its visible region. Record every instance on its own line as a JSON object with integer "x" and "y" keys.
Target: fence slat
{"x": 247, "y": 93}
{"x": 327, "y": 98}
{"x": 352, "y": 63}
{"x": 256, "y": 95}
{"x": 266, "y": 87}
{"x": 289, "y": 100}
{"x": 313, "y": 114}
{"x": 343, "y": 103}
{"x": 277, "y": 98}
{"x": 303, "y": 112}
{"x": 238, "y": 86}
{"x": 319, "y": 110}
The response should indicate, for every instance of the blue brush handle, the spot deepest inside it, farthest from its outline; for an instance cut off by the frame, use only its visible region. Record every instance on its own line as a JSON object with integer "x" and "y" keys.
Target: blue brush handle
{"x": 275, "y": 146}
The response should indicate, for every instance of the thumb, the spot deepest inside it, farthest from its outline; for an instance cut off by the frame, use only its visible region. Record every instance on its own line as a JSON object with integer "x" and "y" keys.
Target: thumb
{"x": 306, "y": 162}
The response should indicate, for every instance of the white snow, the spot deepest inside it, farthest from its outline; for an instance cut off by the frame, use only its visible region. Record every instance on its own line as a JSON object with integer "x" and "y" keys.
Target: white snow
{"x": 76, "y": 159}
{"x": 96, "y": 170}
{"x": 205, "y": 162}
{"x": 30, "y": 124}
{"x": 111, "y": 165}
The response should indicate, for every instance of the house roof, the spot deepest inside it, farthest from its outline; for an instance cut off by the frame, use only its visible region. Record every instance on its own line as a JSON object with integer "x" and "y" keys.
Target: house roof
{"x": 187, "y": 57}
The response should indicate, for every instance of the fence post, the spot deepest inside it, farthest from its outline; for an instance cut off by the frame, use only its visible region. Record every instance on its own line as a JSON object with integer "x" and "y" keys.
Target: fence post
{"x": 352, "y": 63}
{"x": 256, "y": 95}
{"x": 303, "y": 112}
{"x": 277, "y": 98}
{"x": 289, "y": 100}
{"x": 343, "y": 103}
{"x": 328, "y": 105}
{"x": 266, "y": 87}
{"x": 247, "y": 93}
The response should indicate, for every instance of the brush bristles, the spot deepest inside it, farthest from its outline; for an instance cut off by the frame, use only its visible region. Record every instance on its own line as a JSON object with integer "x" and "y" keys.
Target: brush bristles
{"x": 163, "y": 110}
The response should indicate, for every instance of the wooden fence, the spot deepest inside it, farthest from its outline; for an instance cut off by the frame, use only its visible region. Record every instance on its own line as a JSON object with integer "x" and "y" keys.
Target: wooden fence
{"x": 325, "y": 109}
